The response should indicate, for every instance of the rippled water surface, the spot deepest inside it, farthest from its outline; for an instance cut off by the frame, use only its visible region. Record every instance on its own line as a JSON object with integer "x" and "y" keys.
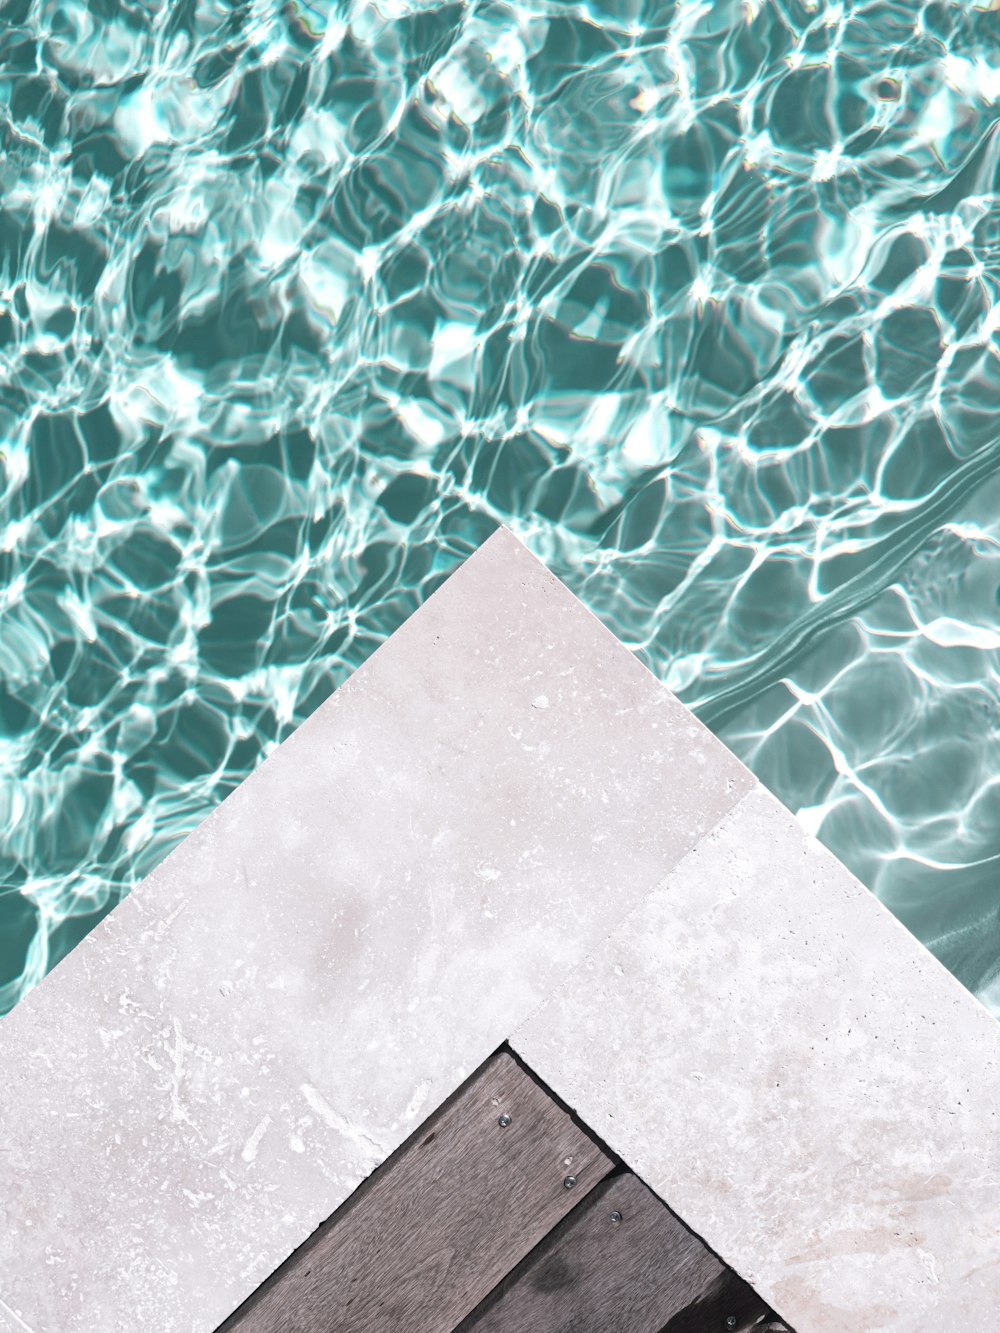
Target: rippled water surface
{"x": 297, "y": 302}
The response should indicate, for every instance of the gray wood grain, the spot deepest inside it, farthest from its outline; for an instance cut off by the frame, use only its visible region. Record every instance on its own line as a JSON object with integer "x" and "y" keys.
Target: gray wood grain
{"x": 621, "y": 1263}
{"x": 439, "y": 1224}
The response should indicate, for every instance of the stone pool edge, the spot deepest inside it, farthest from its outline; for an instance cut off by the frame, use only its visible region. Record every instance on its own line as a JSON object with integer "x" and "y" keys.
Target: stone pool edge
{"x": 228, "y": 1054}
{"x": 804, "y": 1084}
{"x": 502, "y": 696}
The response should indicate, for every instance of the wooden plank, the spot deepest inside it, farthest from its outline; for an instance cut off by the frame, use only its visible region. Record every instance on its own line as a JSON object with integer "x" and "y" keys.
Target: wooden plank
{"x": 622, "y": 1263}
{"x": 439, "y": 1224}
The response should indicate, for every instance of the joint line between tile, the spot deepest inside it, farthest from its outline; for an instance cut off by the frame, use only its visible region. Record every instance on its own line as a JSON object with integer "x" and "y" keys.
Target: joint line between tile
{"x": 16, "y": 1317}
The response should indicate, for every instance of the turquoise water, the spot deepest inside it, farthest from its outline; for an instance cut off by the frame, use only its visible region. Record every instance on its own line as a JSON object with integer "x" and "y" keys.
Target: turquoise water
{"x": 297, "y": 302}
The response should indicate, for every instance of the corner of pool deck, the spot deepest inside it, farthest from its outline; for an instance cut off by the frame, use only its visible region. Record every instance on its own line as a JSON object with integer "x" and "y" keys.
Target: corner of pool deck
{"x": 500, "y": 827}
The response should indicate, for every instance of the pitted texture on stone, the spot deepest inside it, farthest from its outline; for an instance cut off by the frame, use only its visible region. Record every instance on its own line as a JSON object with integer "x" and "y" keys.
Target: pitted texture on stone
{"x": 800, "y": 1081}
{"x": 355, "y": 929}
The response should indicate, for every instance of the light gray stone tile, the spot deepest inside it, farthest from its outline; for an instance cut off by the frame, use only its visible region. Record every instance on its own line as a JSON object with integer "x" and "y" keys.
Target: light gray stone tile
{"x": 217, "y": 1066}
{"x": 11, "y": 1323}
{"x": 798, "y": 1078}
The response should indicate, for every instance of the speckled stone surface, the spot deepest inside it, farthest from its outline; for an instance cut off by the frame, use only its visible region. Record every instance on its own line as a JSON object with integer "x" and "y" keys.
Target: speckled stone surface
{"x": 356, "y": 928}
{"x": 798, "y": 1078}
{"x": 9, "y": 1323}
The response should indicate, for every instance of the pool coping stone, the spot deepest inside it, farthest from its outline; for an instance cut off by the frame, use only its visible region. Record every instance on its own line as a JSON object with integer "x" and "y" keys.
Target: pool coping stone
{"x": 502, "y": 825}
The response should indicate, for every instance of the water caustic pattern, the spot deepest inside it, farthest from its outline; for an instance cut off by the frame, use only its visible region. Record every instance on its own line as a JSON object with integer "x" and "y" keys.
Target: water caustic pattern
{"x": 297, "y": 302}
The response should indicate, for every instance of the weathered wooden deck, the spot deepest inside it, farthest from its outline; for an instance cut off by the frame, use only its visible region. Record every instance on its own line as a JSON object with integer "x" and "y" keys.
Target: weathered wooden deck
{"x": 502, "y": 1214}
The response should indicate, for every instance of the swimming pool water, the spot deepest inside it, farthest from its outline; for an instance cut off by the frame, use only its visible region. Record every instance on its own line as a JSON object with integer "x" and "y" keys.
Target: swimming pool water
{"x": 297, "y": 301}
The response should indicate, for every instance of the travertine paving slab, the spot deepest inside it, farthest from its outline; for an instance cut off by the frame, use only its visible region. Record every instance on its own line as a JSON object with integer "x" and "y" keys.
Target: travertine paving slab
{"x": 355, "y": 929}
{"x": 800, "y": 1081}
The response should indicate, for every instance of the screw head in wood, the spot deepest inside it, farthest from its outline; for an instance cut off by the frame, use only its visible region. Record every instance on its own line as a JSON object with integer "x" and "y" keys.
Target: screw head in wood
{"x": 731, "y": 1321}
{"x": 616, "y": 1217}
{"x": 503, "y": 1121}
{"x": 569, "y": 1182}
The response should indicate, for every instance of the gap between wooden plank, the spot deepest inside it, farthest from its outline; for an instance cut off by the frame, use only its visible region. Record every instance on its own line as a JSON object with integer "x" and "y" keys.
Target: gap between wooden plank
{"x": 770, "y": 1322}
{"x": 622, "y": 1263}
